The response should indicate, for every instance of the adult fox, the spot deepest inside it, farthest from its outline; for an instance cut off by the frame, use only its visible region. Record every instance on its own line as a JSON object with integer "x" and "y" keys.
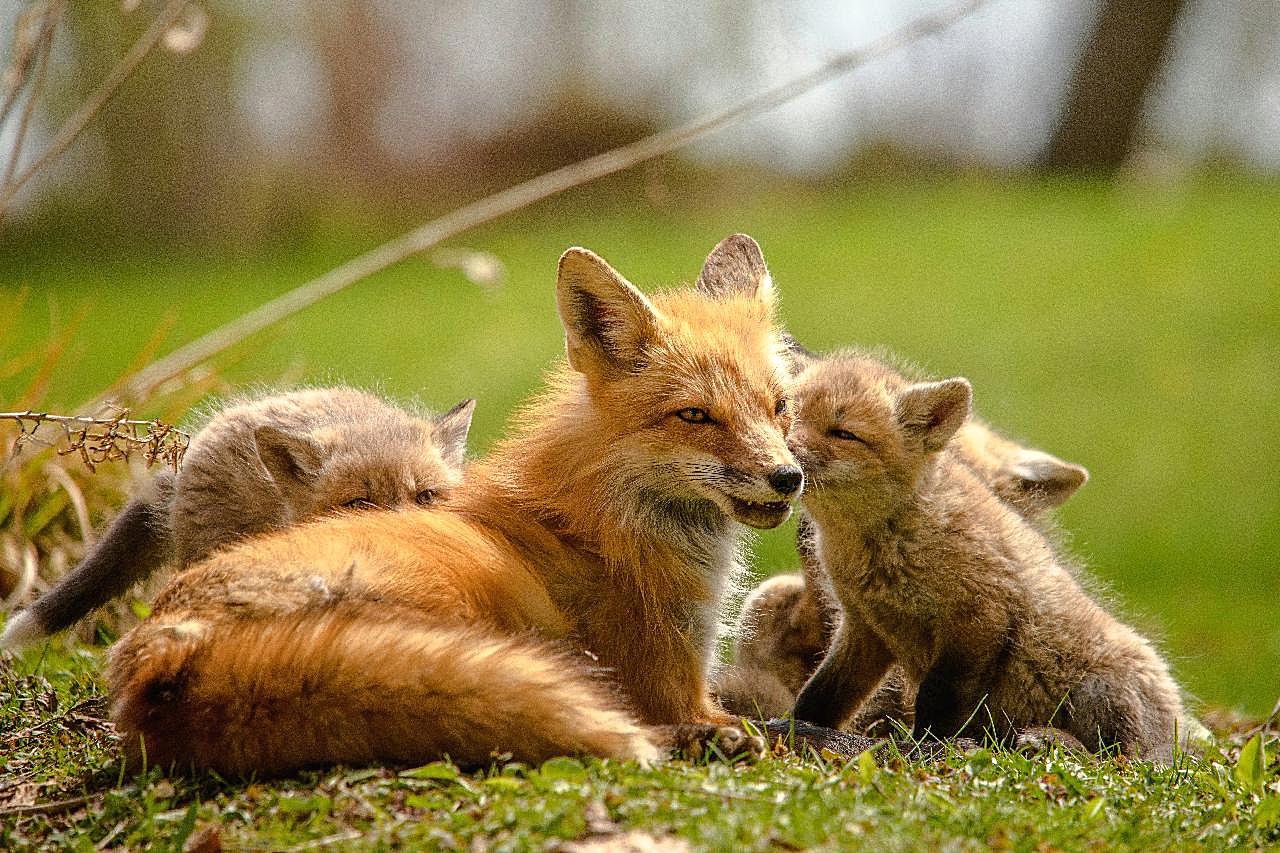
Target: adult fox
{"x": 566, "y": 600}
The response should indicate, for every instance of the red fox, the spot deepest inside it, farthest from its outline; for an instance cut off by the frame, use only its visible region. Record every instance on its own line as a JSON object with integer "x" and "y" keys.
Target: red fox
{"x": 260, "y": 465}
{"x": 565, "y": 601}
{"x": 934, "y": 572}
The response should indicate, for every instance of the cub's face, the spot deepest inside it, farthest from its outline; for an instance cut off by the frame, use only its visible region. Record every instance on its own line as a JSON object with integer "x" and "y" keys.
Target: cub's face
{"x": 389, "y": 460}
{"x": 863, "y": 432}
{"x": 398, "y": 471}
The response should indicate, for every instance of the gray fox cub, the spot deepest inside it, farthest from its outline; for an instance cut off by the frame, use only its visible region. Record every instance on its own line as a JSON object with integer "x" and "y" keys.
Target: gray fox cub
{"x": 936, "y": 573}
{"x": 788, "y": 619}
{"x": 256, "y": 466}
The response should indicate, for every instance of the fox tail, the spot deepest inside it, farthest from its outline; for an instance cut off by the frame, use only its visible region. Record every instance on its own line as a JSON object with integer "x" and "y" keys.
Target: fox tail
{"x": 355, "y": 683}
{"x": 135, "y": 544}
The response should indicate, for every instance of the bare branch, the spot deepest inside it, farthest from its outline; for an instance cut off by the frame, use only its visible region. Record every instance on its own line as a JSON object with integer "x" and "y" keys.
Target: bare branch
{"x": 523, "y": 195}
{"x": 96, "y": 101}
{"x": 44, "y": 47}
{"x": 27, "y": 32}
{"x": 98, "y": 440}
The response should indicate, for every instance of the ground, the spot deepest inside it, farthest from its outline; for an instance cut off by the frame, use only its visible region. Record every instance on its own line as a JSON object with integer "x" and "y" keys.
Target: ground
{"x": 63, "y": 786}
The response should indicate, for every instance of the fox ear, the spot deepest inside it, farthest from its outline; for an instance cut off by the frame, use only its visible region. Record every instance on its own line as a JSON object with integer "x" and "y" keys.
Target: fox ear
{"x": 450, "y": 432}
{"x": 1044, "y": 482}
{"x": 736, "y": 267}
{"x": 797, "y": 356}
{"x": 288, "y": 457}
{"x": 931, "y": 412}
{"x": 607, "y": 321}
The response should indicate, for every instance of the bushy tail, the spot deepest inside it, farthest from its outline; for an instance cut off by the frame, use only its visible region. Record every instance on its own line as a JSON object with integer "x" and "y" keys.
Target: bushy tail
{"x": 135, "y": 544}
{"x": 354, "y": 683}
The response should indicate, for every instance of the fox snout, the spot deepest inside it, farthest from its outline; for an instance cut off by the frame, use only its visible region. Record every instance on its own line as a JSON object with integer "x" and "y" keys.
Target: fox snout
{"x": 787, "y": 480}
{"x": 760, "y": 498}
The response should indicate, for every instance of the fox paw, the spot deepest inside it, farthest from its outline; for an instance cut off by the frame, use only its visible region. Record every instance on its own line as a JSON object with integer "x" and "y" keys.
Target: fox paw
{"x": 696, "y": 741}
{"x": 1038, "y": 739}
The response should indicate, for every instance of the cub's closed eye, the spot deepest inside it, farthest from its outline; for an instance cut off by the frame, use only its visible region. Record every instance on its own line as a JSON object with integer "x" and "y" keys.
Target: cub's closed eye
{"x": 360, "y": 503}
{"x": 694, "y": 416}
{"x": 781, "y": 406}
{"x": 426, "y": 497}
{"x": 845, "y": 435}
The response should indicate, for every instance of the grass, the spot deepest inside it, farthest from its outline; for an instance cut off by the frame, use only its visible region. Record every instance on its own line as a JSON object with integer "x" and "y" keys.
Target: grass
{"x": 60, "y": 756}
{"x": 1136, "y": 332}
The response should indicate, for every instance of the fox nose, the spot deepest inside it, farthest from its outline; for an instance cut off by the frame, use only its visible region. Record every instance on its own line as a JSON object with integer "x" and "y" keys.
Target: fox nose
{"x": 786, "y": 480}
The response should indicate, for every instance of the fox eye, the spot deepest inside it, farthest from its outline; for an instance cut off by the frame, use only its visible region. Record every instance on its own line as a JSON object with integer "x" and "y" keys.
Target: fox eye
{"x": 845, "y": 435}
{"x": 359, "y": 503}
{"x": 780, "y": 406}
{"x": 426, "y": 497}
{"x": 694, "y": 416}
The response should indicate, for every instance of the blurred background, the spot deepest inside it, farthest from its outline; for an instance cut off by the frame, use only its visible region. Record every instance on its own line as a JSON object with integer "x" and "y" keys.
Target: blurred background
{"x": 1074, "y": 203}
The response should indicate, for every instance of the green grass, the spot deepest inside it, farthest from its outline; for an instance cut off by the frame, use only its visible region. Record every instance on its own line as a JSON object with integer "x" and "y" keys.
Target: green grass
{"x": 60, "y": 756}
{"x": 1135, "y": 332}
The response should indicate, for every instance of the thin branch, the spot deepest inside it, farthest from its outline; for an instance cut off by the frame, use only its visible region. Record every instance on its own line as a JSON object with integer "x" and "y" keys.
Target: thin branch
{"x": 59, "y": 807}
{"x": 45, "y": 47}
{"x": 25, "y": 43}
{"x": 96, "y": 101}
{"x": 523, "y": 195}
{"x": 98, "y": 440}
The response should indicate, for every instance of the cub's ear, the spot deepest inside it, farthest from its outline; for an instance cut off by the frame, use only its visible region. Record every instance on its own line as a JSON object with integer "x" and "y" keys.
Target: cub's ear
{"x": 288, "y": 457}
{"x": 450, "y": 432}
{"x": 607, "y": 321}
{"x": 1044, "y": 481}
{"x": 798, "y": 358}
{"x": 736, "y": 267}
{"x": 931, "y": 412}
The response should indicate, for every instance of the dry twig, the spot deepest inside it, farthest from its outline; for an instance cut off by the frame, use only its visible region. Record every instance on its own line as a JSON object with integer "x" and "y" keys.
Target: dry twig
{"x": 99, "y": 440}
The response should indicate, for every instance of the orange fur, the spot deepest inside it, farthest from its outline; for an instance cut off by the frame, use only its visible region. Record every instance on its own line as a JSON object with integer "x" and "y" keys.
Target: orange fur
{"x": 609, "y": 520}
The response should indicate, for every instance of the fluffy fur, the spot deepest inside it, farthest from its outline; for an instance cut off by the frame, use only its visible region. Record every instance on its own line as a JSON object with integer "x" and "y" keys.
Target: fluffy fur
{"x": 933, "y": 571}
{"x": 608, "y": 524}
{"x": 261, "y": 465}
{"x": 788, "y": 620}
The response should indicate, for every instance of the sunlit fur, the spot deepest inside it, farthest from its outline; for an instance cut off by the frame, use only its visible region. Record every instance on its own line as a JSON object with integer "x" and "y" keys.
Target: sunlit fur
{"x": 933, "y": 571}
{"x": 592, "y": 534}
{"x": 259, "y": 465}
{"x": 787, "y": 620}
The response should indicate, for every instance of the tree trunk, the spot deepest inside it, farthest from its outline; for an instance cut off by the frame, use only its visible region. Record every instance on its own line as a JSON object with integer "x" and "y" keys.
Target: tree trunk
{"x": 1116, "y": 67}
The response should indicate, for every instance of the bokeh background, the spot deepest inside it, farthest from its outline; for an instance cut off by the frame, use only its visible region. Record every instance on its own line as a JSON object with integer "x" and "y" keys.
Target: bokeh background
{"x": 1075, "y": 204}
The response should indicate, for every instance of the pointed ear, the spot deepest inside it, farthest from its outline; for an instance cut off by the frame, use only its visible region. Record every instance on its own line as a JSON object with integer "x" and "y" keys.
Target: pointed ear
{"x": 798, "y": 357}
{"x": 450, "y": 432}
{"x": 607, "y": 321}
{"x": 931, "y": 412}
{"x": 736, "y": 267}
{"x": 288, "y": 457}
{"x": 1045, "y": 482}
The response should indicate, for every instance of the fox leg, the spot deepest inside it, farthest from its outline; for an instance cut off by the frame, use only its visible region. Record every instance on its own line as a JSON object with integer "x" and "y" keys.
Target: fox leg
{"x": 853, "y": 666}
{"x": 695, "y": 740}
{"x": 940, "y": 707}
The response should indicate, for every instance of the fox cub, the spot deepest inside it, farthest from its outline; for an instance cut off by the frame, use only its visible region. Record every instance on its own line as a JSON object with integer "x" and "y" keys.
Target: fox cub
{"x": 256, "y": 466}
{"x": 933, "y": 571}
{"x": 788, "y": 619}
{"x": 566, "y": 601}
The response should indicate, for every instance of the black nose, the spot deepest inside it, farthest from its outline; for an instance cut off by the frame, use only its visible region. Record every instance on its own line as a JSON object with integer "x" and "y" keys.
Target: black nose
{"x": 786, "y": 480}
